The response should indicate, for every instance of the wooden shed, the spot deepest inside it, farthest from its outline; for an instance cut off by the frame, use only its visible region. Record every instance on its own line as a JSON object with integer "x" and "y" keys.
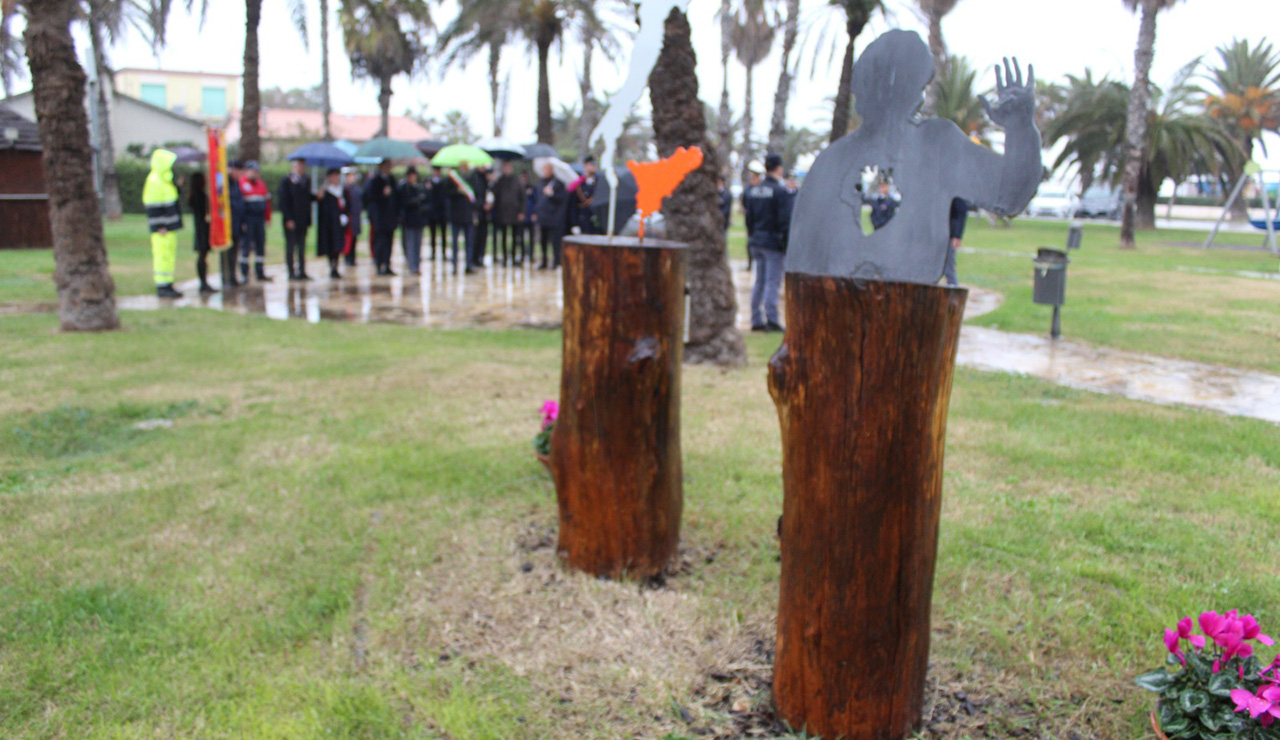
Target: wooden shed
{"x": 24, "y": 199}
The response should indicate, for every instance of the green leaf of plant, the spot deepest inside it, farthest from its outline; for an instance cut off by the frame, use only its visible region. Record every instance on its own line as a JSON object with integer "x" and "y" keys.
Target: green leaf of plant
{"x": 1157, "y": 680}
{"x": 1193, "y": 701}
{"x": 1178, "y": 726}
{"x": 1221, "y": 684}
{"x": 1210, "y": 721}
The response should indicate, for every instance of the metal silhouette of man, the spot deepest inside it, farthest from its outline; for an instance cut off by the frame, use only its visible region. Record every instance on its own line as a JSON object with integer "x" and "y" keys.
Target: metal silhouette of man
{"x": 932, "y": 160}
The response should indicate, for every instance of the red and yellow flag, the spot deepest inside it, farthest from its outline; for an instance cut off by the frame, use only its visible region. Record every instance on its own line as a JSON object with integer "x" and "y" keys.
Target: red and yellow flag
{"x": 219, "y": 201}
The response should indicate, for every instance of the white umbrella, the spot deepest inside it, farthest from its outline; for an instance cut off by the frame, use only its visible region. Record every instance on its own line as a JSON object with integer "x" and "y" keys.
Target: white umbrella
{"x": 563, "y": 171}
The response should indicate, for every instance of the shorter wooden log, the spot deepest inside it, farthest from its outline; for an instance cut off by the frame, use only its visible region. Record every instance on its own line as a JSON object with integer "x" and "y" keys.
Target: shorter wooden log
{"x": 615, "y": 450}
{"x": 861, "y": 383}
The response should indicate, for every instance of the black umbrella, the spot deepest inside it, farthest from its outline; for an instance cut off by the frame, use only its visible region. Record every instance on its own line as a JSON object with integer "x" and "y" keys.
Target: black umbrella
{"x": 534, "y": 151}
{"x": 429, "y": 147}
{"x": 627, "y": 189}
{"x": 187, "y": 155}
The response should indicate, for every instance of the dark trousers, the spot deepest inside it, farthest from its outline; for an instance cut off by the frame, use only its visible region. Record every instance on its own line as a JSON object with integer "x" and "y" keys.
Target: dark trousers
{"x": 528, "y": 235}
{"x": 437, "y": 229}
{"x": 480, "y": 241}
{"x": 382, "y": 239}
{"x": 411, "y": 239}
{"x": 551, "y": 237}
{"x": 201, "y": 233}
{"x": 295, "y": 249}
{"x": 949, "y": 268}
{"x": 253, "y": 241}
{"x": 467, "y": 232}
{"x": 508, "y": 241}
{"x": 350, "y": 254}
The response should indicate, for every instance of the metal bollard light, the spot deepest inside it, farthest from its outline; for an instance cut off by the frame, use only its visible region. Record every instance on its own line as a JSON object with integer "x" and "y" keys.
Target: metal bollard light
{"x": 1050, "y": 283}
{"x": 1075, "y": 233}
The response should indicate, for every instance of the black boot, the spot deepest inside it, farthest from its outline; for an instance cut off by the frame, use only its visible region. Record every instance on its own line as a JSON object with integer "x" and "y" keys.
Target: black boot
{"x": 166, "y": 290}
{"x": 207, "y": 288}
{"x": 260, "y": 274}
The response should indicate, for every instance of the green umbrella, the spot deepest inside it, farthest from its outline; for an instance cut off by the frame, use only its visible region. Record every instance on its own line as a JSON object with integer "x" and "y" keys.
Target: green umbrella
{"x": 384, "y": 148}
{"x": 455, "y": 154}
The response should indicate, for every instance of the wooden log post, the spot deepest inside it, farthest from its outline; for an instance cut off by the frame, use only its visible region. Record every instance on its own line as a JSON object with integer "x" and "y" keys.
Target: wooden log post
{"x": 615, "y": 451}
{"x": 861, "y": 383}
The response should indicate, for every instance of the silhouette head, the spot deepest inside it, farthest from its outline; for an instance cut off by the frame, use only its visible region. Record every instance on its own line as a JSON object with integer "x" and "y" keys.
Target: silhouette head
{"x": 890, "y": 77}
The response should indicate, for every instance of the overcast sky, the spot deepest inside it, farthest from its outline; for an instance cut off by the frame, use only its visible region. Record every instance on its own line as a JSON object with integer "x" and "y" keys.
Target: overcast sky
{"x": 1057, "y": 37}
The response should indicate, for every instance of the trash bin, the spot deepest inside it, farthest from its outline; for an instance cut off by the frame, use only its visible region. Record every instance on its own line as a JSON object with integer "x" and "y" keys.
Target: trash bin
{"x": 1050, "y": 288}
{"x": 1075, "y": 233}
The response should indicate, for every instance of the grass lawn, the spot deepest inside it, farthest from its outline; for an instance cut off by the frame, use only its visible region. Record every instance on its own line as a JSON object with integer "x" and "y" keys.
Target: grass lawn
{"x": 344, "y": 534}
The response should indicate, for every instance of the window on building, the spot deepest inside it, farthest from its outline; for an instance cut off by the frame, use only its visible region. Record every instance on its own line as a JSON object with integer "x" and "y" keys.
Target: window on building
{"x": 213, "y": 102}
{"x": 155, "y": 95}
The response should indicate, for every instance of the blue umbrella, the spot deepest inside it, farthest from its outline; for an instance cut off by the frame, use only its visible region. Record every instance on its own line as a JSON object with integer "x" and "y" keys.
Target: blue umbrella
{"x": 321, "y": 154}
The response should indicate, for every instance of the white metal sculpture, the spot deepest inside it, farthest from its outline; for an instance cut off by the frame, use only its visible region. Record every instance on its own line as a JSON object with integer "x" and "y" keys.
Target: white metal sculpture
{"x": 652, "y": 15}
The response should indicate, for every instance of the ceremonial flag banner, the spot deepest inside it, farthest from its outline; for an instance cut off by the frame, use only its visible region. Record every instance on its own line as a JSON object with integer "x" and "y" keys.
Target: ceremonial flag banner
{"x": 219, "y": 202}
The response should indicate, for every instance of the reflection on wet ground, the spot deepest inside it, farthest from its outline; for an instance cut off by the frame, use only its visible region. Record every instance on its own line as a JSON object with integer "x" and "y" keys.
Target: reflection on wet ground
{"x": 505, "y": 297}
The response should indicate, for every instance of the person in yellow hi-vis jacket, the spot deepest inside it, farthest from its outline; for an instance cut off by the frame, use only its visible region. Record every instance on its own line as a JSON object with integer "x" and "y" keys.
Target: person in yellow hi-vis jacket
{"x": 160, "y": 196}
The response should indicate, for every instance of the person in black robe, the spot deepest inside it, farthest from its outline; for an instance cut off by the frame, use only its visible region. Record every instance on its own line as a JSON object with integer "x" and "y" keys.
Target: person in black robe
{"x": 198, "y": 202}
{"x": 332, "y": 220}
{"x": 550, "y": 214}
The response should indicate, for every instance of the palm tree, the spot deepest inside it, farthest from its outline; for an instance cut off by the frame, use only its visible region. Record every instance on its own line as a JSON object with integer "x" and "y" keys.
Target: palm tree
{"x": 1091, "y": 121}
{"x": 692, "y": 212}
{"x": 251, "y": 107}
{"x": 955, "y": 99}
{"x": 382, "y": 40}
{"x": 857, "y": 14}
{"x": 327, "y": 106}
{"x": 1245, "y": 97}
{"x": 1135, "y": 121}
{"x": 86, "y": 292}
{"x": 724, "y": 126}
{"x": 481, "y": 25}
{"x": 753, "y": 36}
{"x": 1179, "y": 138}
{"x": 934, "y": 11}
{"x": 778, "y": 124}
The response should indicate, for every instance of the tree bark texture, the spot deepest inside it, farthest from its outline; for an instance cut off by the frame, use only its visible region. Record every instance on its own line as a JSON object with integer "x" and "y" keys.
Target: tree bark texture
{"x": 546, "y": 130}
{"x": 724, "y": 124}
{"x": 384, "y": 105}
{"x": 1136, "y": 123}
{"x": 495, "y": 87}
{"x": 326, "y": 104}
{"x": 615, "y": 451}
{"x": 112, "y": 208}
{"x": 86, "y": 292}
{"x": 692, "y": 212}
{"x": 588, "y": 122}
{"x": 778, "y": 125}
{"x": 938, "y": 48}
{"x": 861, "y": 383}
{"x": 250, "y": 139}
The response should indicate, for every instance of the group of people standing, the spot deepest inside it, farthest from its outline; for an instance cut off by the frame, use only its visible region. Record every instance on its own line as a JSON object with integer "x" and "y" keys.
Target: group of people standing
{"x": 464, "y": 207}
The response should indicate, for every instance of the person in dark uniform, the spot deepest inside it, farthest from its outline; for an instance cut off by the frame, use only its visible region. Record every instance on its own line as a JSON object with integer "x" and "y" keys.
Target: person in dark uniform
{"x": 959, "y": 217}
{"x": 257, "y": 214}
{"x": 755, "y": 176}
{"x": 883, "y": 204}
{"x": 726, "y": 201}
{"x": 380, "y": 201}
{"x": 332, "y": 219}
{"x": 355, "y": 215}
{"x": 198, "y": 203}
{"x": 293, "y": 199}
{"x": 584, "y": 199}
{"x": 528, "y": 223}
{"x": 550, "y": 214}
{"x": 411, "y": 201}
{"x": 484, "y": 204}
{"x": 508, "y": 207}
{"x": 461, "y": 211}
{"x": 768, "y": 212}
{"x": 235, "y": 204}
{"x": 438, "y": 211}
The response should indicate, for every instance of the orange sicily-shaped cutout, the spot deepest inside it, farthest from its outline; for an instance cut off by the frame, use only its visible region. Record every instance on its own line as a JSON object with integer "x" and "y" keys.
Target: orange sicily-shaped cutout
{"x": 657, "y": 180}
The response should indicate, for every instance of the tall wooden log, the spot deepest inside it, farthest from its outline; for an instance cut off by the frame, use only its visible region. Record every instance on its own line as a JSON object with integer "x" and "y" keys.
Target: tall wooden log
{"x": 615, "y": 451}
{"x": 861, "y": 383}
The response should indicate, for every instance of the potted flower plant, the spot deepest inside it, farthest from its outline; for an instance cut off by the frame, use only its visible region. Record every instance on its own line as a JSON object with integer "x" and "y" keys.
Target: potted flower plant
{"x": 1214, "y": 687}
{"x": 542, "y": 440}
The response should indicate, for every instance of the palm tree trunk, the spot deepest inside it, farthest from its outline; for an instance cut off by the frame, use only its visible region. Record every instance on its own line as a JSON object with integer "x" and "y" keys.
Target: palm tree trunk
{"x": 86, "y": 292}
{"x": 1136, "y": 123}
{"x": 1240, "y": 207}
{"x": 778, "y": 126}
{"x": 724, "y": 124}
{"x": 112, "y": 208}
{"x": 692, "y": 212}
{"x": 250, "y": 141}
{"x": 588, "y": 123}
{"x": 326, "y": 106}
{"x": 495, "y": 87}
{"x": 384, "y": 103}
{"x": 1144, "y": 214}
{"x": 748, "y": 150}
{"x": 546, "y": 134}
{"x": 840, "y": 116}
{"x": 938, "y": 48}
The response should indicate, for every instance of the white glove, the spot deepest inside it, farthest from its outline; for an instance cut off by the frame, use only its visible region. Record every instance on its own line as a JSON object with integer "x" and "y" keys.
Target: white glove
{"x": 342, "y": 218}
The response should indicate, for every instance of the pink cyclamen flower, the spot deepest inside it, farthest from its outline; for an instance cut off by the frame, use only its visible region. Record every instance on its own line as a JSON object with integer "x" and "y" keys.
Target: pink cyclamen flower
{"x": 550, "y": 410}
{"x": 1247, "y": 701}
{"x": 1171, "y": 642}
{"x": 1184, "y": 632}
{"x": 1252, "y": 631}
{"x": 1211, "y": 624}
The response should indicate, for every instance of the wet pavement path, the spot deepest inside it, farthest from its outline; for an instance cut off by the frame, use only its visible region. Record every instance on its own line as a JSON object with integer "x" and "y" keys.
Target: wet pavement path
{"x": 506, "y": 297}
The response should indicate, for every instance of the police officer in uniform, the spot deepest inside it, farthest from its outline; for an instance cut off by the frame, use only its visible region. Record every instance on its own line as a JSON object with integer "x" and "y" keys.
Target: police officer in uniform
{"x": 257, "y": 212}
{"x": 768, "y": 212}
